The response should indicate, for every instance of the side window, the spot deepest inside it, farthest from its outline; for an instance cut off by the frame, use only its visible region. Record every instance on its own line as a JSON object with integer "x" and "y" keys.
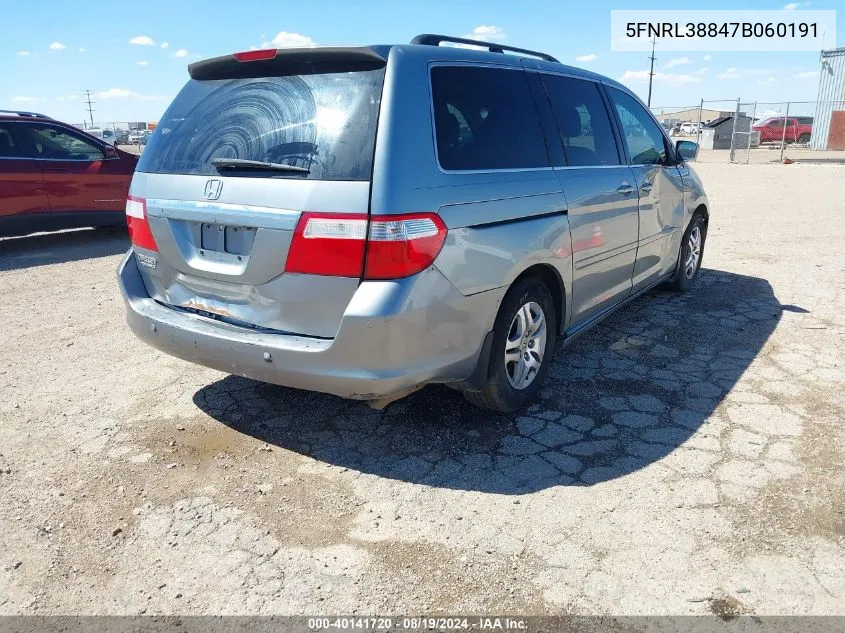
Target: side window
{"x": 9, "y": 147}
{"x": 643, "y": 138}
{"x": 484, "y": 118}
{"x": 582, "y": 121}
{"x": 58, "y": 144}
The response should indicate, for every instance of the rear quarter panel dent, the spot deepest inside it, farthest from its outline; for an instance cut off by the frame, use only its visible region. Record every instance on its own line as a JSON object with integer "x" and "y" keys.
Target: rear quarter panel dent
{"x": 476, "y": 259}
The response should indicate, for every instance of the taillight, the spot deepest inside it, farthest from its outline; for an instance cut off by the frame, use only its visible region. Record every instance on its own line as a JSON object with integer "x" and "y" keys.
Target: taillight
{"x": 334, "y": 244}
{"x": 403, "y": 245}
{"x": 252, "y": 56}
{"x": 139, "y": 227}
{"x": 328, "y": 244}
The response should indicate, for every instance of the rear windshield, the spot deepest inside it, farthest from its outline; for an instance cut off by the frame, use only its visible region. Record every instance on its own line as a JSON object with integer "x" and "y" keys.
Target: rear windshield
{"x": 323, "y": 123}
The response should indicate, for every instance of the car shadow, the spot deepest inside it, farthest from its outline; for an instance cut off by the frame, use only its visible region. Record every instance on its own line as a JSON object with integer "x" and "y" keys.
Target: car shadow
{"x": 61, "y": 247}
{"x": 623, "y": 396}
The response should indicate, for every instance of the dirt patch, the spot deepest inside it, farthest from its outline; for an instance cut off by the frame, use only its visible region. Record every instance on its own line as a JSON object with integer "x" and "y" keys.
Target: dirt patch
{"x": 434, "y": 579}
{"x": 726, "y": 607}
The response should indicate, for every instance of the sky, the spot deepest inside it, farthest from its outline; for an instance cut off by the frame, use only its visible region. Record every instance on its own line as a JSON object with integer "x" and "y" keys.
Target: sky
{"x": 134, "y": 59}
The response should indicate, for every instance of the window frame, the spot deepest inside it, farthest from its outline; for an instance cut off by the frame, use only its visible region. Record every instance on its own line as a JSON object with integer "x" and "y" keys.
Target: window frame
{"x": 499, "y": 66}
{"x": 672, "y": 158}
{"x": 92, "y": 140}
{"x": 84, "y": 139}
{"x": 620, "y": 145}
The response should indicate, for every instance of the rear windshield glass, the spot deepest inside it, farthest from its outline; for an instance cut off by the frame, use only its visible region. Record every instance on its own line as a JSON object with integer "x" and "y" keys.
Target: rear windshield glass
{"x": 323, "y": 123}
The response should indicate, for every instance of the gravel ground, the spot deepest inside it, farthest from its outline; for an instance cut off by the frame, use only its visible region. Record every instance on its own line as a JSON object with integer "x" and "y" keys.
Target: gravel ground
{"x": 686, "y": 456}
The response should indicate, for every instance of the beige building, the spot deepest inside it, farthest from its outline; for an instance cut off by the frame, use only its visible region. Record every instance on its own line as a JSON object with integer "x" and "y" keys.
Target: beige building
{"x": 691, "y": 114}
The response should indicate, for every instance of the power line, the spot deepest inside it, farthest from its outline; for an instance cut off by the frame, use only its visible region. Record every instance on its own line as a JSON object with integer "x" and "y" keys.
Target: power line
{"x": 651, "y": 70}
{"x": 90, "y": 103}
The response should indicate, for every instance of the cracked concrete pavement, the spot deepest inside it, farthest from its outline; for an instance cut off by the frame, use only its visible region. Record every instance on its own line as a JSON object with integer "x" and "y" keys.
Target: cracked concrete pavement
{"x": 685, "y": 454}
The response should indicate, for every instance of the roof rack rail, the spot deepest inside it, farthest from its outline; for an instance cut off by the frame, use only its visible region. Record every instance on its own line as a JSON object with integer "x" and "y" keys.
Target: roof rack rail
{"x": 25, "y": 113}
{"x": 435, "y": 40}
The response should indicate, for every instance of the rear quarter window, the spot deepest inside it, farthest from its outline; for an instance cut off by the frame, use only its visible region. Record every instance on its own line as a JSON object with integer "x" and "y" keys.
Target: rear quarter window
{"x": 325, "y": 123}
{"x": 485, "y": 118}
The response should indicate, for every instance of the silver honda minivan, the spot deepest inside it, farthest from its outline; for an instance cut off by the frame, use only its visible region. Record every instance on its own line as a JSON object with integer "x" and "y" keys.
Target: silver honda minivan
{"x": 362, "y": 221}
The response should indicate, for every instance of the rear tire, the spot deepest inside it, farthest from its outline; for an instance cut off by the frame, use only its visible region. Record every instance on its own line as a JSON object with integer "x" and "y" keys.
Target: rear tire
{"x": 691, "y": 255}
{"x": 804, "y": 138}
{"x": 523, "y": 347}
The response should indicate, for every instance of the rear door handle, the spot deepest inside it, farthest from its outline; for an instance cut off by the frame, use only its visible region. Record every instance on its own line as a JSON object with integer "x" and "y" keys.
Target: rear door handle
{"x": 646, "y": 187}
{"x": 57, "y": 170}
{"x": 624, "y": 189}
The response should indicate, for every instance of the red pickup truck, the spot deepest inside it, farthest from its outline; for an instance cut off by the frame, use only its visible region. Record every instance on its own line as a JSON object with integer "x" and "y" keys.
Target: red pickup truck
{"x": 799, "y": 129}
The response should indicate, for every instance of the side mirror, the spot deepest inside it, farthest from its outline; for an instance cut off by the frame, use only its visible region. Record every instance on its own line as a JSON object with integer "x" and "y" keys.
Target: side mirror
{"x": 687, "y": 150}
{"x": 110, "y": 152}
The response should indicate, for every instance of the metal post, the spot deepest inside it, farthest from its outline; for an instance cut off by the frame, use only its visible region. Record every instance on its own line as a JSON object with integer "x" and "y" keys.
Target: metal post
{"x": 698, "y": 131}
{"x": 783, "y": 137}
{"x": 748, "y": 134}
{"x": 90, "y": 103}
{"x": 733, "y": 131}
{"x": 651, "y": 71}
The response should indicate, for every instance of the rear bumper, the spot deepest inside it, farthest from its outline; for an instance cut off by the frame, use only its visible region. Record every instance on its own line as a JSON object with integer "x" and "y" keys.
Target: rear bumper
{"x": 394, "y": 336}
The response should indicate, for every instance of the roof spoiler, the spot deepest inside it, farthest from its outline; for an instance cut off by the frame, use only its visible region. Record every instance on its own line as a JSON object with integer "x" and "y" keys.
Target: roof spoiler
{"x": 435, "y": 40}
{"x": 290, "y": 61}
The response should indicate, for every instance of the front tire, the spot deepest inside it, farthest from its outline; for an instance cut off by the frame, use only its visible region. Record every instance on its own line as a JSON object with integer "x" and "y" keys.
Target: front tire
{"x": 523, "y": 346}
{"x": 691, "y": 255}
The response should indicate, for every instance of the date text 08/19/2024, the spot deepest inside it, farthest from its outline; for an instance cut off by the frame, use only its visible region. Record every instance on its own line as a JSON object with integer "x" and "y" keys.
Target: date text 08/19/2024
{"x": 479, "y": 623}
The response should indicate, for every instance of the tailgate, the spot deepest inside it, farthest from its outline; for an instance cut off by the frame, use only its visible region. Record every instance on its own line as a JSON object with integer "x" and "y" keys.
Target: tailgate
{"x": 228, "y": 259}
{"x": 226, "y": 175}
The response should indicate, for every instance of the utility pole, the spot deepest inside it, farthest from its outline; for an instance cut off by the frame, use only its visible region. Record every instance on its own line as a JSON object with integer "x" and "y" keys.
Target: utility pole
{"x": 90, "y": 103}
{"x": 651, "y": 70}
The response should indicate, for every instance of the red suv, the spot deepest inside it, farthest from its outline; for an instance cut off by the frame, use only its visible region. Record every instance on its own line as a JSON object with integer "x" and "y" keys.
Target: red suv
{"x": 54, "y": 176}
{"x": 799, "y": 129}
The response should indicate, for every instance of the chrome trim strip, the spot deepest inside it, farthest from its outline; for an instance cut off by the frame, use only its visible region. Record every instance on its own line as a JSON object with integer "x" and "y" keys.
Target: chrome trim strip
{"x": 224, "y": 213}
{"x": 653, "y": 238}
{"x": 584, "y": 262}
{"x": 617, "y": 166}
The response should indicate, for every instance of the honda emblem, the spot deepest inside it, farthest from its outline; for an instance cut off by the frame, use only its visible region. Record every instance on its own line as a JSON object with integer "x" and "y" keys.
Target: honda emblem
{"x": 213, "y": 188}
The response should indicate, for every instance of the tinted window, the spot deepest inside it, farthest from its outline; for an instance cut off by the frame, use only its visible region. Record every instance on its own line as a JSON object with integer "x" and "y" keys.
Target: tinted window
{"x": 9, "y": 148}
{"x": 324, "y": 123}
{"x": 582, "y": 121}
{"x": 643, "y": 138}
{"x": 485, "y": 118}
{"x": 58, "y": 144}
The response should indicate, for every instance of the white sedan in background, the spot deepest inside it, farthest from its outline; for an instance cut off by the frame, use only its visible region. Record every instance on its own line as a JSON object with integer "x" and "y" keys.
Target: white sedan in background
{"x": 689, "y": 128}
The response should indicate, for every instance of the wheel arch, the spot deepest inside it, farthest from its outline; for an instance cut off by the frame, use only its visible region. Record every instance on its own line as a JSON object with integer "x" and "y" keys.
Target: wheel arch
{"x": 551, "y": 278}
{"x": 704, "y": 212}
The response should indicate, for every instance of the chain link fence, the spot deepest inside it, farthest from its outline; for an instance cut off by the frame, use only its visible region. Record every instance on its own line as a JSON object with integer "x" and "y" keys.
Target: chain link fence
{"x": 743, "y": 132}
{"x": 129, "y": 135}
